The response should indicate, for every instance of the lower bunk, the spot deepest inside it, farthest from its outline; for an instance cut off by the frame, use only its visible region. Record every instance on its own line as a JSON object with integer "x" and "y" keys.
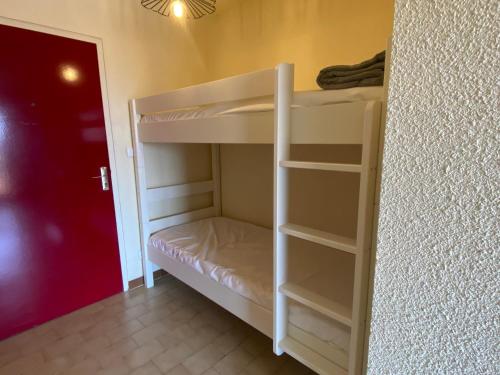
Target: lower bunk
{"x": 231, "y": 262}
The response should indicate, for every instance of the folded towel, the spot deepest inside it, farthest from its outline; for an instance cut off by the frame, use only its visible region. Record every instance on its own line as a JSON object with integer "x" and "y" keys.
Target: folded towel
{"x": 374, "y": 73}
{"x": 379, "y": 57}
{"x": 367, "y": 73}
{"x": 344, "y": 73}
{"x": 377, "y": 81}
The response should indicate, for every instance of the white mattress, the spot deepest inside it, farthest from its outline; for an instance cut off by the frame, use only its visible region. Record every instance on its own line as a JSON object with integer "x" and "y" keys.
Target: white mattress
{"x": 240, "y": 256}
{"x": 265, "y": 104}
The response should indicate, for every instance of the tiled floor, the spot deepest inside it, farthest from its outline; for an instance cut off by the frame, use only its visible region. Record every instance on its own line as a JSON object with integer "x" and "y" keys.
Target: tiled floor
{"x": 169, "y": 329}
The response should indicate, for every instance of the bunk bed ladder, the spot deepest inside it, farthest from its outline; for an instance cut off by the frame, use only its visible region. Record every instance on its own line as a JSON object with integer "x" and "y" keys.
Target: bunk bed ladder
{"x": 300, "y": 345}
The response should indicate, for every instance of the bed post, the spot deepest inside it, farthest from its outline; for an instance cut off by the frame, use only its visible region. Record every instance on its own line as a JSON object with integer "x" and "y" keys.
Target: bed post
{"x": 282, "y": 123}
{"x": 216, "y": 179}
{"x": 140, "y": 180}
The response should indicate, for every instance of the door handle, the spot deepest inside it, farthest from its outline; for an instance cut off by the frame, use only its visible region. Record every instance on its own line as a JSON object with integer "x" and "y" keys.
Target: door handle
{"x": 104, "y": 178}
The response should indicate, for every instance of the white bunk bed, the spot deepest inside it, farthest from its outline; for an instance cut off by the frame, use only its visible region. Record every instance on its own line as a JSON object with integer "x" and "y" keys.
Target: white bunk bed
{"x": 324, "y": 330}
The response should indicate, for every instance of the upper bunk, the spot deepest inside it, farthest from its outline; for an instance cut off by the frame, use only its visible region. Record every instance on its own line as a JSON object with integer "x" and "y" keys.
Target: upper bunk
{"x": 241, "y": 109}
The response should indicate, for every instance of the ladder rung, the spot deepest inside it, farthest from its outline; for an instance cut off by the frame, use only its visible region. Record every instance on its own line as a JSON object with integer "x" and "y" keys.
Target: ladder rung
{"x": 310, "y": 358}
{"x": 320, "y": 237}
{"x": 323, "y": 305}
{"x": 356, "y": 168}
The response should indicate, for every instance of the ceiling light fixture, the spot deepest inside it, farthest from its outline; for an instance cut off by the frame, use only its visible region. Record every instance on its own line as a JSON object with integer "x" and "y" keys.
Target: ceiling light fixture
{"x": 180, "y": 8}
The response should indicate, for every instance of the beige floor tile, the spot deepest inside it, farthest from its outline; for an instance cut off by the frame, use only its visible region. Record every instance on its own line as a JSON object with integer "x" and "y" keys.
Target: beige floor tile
{"x": 150, "y": 332}
{"x": 179, "y": 370}
{"x": 116, "y": 353}
{"x": 43, "y": 328}
{"x": 234, "y": 362}
{"x": 134, "y": 312}
{"x": 24, "y": 365}
{"x": 159, "y": 300}
{"x": 143, "y": 354}
{"x": 97, "y": 330}
{"x": 63, "y": 345}
{"x": 172, "y": 357}
{"x": 96, "y": 346}
{"x": 210, "y": 371}
{"x": 294, "y": 368}
{"x": 168, "y": 341}
{"x": 16, "y": 341}
{"x": 134, "y": 300}
{"x": 86, "y": 367}
{"x": 74, "y": 324}
{"x": 184, "y": 314}
{"x": 230, "y": 340}
{"x": 265, "y": 365}
{"x": 170, "y": 329}
{"x": 116, "y": 369}
{"x": 155, "y": 315}
{"x": 198, "y": 338}
{"x": 57, "y": 365}
{"x": 9, "y": 356}
{"x": 113, "y": 299}
{"x": 203, "y": 359}
{"x": 124, "y": 330}
{"x": 257, "y": 343}
{"x": 148, "y": 369}
{"x": 40, "y": 341}
{"x": 90, "y": 309}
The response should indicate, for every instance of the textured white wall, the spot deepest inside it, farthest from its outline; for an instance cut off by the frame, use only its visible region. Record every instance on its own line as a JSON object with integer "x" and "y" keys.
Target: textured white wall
{"x": 434, "y": 308}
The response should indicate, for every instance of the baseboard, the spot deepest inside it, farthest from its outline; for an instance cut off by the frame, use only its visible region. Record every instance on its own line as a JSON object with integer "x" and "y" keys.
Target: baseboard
{"x": 136, "y": 283}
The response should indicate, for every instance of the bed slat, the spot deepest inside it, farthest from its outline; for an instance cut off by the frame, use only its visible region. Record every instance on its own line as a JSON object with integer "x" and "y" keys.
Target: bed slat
{"x": 176, "y": 191}
{"x": 169, "y": 221}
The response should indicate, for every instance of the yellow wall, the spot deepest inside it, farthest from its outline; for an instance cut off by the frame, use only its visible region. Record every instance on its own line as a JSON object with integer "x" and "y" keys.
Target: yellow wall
{"x": 246, "y": 35}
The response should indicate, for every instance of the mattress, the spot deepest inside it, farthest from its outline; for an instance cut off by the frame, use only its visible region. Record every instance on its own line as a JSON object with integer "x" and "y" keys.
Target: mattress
{"x": 239, "y": 256}
{"x": 266, "y": 104}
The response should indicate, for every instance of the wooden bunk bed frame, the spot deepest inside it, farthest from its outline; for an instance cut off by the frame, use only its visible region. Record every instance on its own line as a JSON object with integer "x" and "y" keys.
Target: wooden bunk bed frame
{"x": 341, "y": 123}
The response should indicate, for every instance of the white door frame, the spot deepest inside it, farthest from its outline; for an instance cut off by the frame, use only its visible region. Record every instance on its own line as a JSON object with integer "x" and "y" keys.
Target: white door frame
{"x": 107, "y": 122}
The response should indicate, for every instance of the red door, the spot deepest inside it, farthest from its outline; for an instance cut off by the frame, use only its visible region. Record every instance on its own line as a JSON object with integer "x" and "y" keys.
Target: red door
{"x": 58, "y": 239}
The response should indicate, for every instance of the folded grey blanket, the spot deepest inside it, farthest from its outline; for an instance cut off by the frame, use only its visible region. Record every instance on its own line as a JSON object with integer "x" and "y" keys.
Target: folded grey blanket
{"x": 367, "y": 73}
{"x": 345, "y": 73}
{"x": 377, "y": 81}
{"x": 373, "y": 73}
{"x": 379, "y": 57}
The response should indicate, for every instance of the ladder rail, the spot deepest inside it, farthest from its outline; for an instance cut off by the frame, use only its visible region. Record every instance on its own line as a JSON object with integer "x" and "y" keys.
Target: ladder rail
{"x": 369, "y": 161}
{"x": 283, "y": 96}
